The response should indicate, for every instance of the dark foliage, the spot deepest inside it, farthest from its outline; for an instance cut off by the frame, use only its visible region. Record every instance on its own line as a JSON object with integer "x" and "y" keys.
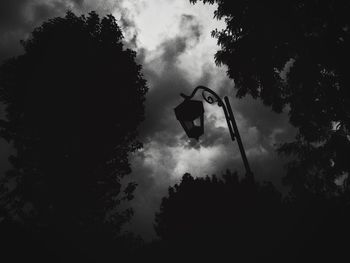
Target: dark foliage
{"x": 73, "y": 101}
{"x": 211, "y": 216}
{"x": 246, "y": 221}
{"x": 295, "y": 54}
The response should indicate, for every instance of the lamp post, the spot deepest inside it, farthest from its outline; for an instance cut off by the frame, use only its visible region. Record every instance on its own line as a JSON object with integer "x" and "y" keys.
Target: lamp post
{"x": 190, "y": 115}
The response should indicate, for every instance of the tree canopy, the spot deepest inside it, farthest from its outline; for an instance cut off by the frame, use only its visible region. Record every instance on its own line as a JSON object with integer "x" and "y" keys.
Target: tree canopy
{"x": 241, "y": 219}
{"x": 74, "y": 101}
{"x": 214, "y": 214}
{"x": 294, "y": 55}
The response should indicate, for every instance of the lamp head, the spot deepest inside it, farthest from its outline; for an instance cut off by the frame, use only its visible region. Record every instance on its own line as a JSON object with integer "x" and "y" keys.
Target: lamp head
{"x": 190, "y": 114}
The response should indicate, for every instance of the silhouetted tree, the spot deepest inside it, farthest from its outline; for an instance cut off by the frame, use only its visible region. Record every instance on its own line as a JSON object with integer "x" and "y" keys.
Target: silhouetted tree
{"x": 295, "y": 54}
{"x": 221, "y": 217}
{"x": 246, "y": 221}
{"x": 73, "y": 100}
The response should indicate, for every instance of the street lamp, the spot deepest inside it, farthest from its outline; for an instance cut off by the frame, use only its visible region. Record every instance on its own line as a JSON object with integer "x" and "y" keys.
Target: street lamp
{"x": 190, "y": 115}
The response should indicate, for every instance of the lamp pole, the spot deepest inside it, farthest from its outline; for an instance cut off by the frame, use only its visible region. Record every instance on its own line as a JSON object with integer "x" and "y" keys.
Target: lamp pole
{"x": 211, "y": 98}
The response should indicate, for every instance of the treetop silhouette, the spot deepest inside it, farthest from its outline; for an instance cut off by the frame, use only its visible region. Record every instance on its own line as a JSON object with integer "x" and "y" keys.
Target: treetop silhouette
{"x": 244, "y": 220}
{"x": 74, "y": 101}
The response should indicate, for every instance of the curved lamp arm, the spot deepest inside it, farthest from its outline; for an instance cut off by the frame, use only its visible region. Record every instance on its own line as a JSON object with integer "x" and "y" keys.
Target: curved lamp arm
{"x": 208, "y": 98}
{"x": 230, "y": 119}
{"x": 211, "y": 98}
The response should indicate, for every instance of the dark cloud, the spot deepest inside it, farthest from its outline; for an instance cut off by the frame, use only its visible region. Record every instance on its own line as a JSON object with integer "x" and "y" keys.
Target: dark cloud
{"x": 190, "y": 32}
{"x": 166, "y": 81}
{"x": 19, "y": 17}
{"x": 11, "y": 13}
{"x": 162, "y": 134}
{"x": 160, "y": 129}
{"x": 152, "y": 185}
{"x": 12, "y": 25}
{"x": 154, "y": 167}
{"x": 130, "y": 30}
{"x": 190, "y": 27}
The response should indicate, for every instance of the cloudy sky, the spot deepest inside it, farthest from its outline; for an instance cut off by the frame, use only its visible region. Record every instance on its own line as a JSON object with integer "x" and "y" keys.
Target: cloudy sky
{"x": 174, "y": 45}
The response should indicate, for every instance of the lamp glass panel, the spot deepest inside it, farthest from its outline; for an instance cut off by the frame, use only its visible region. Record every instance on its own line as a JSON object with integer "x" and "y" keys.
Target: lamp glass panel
{"x": 197, "y": 122}
{"x": 189, "y": 125}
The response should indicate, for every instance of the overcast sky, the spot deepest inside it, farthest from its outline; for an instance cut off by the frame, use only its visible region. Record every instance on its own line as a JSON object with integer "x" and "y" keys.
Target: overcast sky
{"x": 174, "y": 45}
